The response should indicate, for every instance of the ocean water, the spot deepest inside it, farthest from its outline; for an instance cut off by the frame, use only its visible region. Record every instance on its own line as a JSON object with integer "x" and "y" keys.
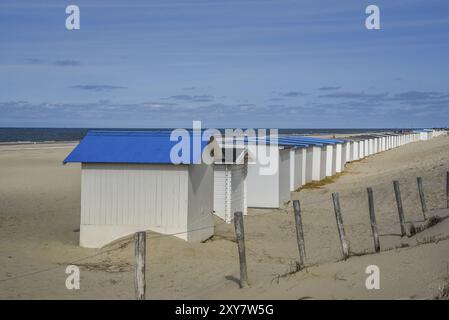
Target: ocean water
{"x": 75, "y": 134}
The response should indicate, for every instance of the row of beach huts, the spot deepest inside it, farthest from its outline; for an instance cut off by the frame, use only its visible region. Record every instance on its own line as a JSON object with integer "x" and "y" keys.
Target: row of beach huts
{"x": 130, "y": 183}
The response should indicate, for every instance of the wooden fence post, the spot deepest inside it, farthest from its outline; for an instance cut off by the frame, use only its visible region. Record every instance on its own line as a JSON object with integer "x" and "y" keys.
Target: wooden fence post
{"x": 341, "y": 229}
{"x": 372, "y": 217}
{"x": 299, "y": 234}
{"x": 397, "y": 193}
{"x": 139, "y": 268}
{"x": 422, "y": 198}
{"x": 447, "y": 188}
{"x": 240, "y": 236}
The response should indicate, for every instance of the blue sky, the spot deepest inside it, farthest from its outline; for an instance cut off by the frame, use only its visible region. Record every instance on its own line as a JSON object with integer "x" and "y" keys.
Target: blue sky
{"x": 228, "y": 63}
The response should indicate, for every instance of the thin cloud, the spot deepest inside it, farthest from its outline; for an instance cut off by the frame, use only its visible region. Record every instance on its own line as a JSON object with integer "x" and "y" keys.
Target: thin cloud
{"x": 57, "y": 63}
{"x": 97, "y": 87}
{"x": 292, "y": 94}
{"x": 192, "y": 98}
{"x": 34, "y": 61}
{"x": 354, "y": 95}
{"x": 67, "y": 63}
{"x": 328, "y": 88}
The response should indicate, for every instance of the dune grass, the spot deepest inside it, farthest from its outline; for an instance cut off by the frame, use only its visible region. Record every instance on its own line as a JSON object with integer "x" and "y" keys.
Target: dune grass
{"x": 321, "y": 183}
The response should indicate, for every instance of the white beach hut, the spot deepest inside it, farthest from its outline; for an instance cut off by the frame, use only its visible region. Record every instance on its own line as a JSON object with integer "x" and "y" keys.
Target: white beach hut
{"x": 298, "y": 159}
{"x": 313, "y": 164}
{"x": 326, "y": 160}
{"x": 230, "y": 183}
{"x": 361, "y": 149}
{"x": 337, "y": 156}
{"x": 345, "y": 154}
{"x": 129, "y": 183}
{"x": 272, "y": 188}
{"x": 355, "y": 150}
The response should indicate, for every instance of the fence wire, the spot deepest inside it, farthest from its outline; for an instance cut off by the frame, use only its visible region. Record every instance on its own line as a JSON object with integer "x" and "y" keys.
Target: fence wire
{"x": 286, "y": 209}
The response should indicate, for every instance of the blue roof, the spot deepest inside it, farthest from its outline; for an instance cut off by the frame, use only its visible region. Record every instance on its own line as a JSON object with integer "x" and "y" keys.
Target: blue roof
{"x": 130, "y": 147}
{"x": 313, "y": 140}
{"x": 280, "y": 141}
{"x": 295, "y": 141}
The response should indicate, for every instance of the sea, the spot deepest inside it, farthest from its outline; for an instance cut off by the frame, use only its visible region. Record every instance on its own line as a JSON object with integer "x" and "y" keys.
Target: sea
{"x": 32, "y": 135}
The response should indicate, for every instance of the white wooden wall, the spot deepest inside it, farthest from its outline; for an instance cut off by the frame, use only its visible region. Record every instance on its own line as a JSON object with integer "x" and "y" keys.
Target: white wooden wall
{"x": 120, "y": 199}
{"x": 238, "y": 190}
{"x": 229, "y": 190}
{"x": 128, "y": 194}
{"x": 220, "y": 190}
{"x": 263, "y": 190}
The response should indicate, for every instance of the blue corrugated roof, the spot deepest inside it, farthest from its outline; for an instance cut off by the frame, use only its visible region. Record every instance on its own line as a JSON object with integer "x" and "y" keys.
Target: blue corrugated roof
{"x": 280, "y": 141}
{"x": 129, "y": 147}
{"x": 313, "y": 140}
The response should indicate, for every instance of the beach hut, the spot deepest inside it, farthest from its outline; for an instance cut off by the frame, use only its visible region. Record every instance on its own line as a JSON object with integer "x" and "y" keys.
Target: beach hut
{"x": 424, "y": 134}
{"x": 355, "y": 150}
{"x": 337, "y": 155}
{"x": 345, "y": 154}
{"x": 330, "y": 158}
{"x": 130, "y": 183}
{"x": 326, "y": 160}
{"x": 313, "y": 164}
{"x": 269, "y": 190}
{"x": 230, "y": 190}
{"x": 298, "y": 158}
{"x": 291, "y": 156}
{"x": 230, "y": 186}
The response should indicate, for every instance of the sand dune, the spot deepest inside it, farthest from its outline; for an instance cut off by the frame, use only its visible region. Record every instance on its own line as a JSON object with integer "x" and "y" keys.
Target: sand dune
{"x": 39, "y": 221}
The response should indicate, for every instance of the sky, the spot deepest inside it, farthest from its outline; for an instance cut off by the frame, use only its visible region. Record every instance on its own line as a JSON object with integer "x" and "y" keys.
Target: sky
{"x": 227, "y": 63}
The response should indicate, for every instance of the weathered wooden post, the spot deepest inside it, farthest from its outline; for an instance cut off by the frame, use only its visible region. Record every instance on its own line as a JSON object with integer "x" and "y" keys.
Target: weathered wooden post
{"x": 240, "y": 236}
{"x": 372, "y": 217}
{"x": 299, "y": 234}
{"x": 422, "y": 198}
{"x": 139, "y": 267}
{"x": 341, "y": 229}
{"x": 447, "y": 188}
{"x": 397, "y": 193}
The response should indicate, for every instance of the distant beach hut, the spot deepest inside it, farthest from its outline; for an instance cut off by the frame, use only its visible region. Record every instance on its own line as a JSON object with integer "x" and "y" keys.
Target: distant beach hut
{"x": 129, "y": 183}
{"x": 424, "y": 134}
{"x": 337, "y": 155}
{"x": 362, "y": 149}
{"x": 355, "y": 150}
{"x": 326, "y": 160}
{"x": 298, "y": 158}
{"x": 313, "y": 164}
{"x": 345, "y": 154}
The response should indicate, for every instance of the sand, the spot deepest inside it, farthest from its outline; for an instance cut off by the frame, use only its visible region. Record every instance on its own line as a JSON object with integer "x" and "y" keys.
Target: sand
{"x": 39, "y": 222}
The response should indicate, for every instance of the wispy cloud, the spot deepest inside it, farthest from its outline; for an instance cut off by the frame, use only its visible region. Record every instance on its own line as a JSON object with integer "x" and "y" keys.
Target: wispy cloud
{"x": 67, "y": 63}
{"x": 57, "y": 63}
{"x": 97, "y": 87}
{"x": 418, "y": 95}
{"x": 354, "y": 95}
{"x": 328, "y": 88}
{"x": 192, "y": 98}
{"x": 292, "y": 94}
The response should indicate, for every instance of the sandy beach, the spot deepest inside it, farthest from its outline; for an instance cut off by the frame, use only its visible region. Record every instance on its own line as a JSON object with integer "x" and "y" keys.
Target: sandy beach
{"x": 40, "y": 217}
